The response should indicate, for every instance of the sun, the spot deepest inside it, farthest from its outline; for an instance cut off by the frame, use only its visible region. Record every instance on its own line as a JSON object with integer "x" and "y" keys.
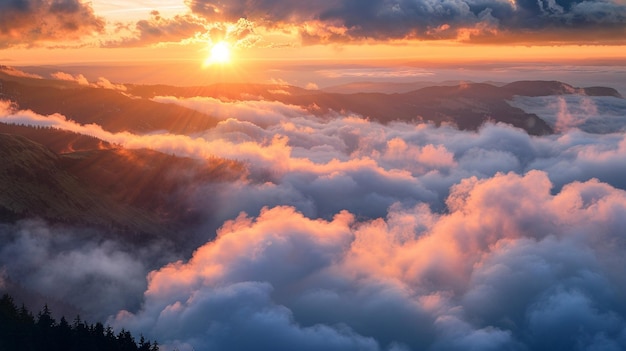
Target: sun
{"x": 220, "y": 54}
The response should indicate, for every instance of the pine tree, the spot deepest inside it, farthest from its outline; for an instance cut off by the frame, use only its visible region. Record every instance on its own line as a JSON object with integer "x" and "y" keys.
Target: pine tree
{"x": 20, "y": 331}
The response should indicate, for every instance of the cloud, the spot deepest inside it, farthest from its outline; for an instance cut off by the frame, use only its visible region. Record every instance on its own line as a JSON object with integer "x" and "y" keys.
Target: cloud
{"x": 323, "y": 165}
{"x": 510, "y": 266}
{"x": 106, "y": 84}
{"x": 240, "y": 34}
{"x": 75, "y": 266}
{"x": 30, "y": 22}
{"x": 12, "y": 71}
{"x": 485, "y": 20}
{"x": 184, "y": 29}
{"x": 311, "y": 86}
{"x": 158, "y": 29}
{"x": 360, "y": 235}
{"x": 82, "y": 80}
{"x": 261, "y": 113}
{"x": 79, "y": 78}
{"x": 592, "y": 114}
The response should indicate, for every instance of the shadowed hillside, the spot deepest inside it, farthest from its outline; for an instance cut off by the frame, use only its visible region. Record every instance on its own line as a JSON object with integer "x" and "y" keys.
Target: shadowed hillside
{"x": 140, "y": 192}
{"x": 57, "y": 140}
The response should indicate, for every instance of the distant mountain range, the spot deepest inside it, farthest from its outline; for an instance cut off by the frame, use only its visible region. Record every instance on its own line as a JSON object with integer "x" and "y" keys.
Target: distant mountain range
{"x": 393, "y": 87}
{"x": 467, "y": 106}
{"x": 71, "y": 178}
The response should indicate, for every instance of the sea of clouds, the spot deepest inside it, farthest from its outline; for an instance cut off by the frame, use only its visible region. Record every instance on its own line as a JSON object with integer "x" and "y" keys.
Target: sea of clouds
{"x": 353, "y": 235}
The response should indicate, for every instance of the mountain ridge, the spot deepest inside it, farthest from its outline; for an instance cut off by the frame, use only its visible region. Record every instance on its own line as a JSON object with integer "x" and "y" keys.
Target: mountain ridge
{"x": 467, "y": 105}
{"x": 139, "y": 194}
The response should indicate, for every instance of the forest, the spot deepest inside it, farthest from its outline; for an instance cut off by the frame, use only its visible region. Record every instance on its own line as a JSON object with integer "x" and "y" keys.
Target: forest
{"x": 21, "y": 330}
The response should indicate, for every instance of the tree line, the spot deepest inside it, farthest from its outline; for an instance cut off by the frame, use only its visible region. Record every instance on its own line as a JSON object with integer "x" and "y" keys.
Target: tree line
{"x": 21, "y": 330}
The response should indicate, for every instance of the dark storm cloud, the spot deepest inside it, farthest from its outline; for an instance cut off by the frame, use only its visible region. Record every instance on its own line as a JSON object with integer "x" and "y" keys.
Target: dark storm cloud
{"x": 26, "y": 22}
{"x": 481, "y": 20}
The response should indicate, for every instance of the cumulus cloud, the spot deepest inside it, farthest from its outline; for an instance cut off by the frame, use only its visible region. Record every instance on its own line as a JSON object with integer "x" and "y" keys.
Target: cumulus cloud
{"x": 487, "y": 20}
{"x": 29, "y": 22}
{"x": 322, "y": 165}
{"x": 510, "y": 266}
{"x": 75, "y": 266}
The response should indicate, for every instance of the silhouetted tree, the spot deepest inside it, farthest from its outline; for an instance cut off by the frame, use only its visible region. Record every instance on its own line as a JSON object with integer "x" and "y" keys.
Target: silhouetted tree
{"x": 20, "y": 331}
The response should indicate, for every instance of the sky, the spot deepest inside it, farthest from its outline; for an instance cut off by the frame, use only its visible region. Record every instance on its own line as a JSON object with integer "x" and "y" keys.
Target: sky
{"x": 72, "y": 31}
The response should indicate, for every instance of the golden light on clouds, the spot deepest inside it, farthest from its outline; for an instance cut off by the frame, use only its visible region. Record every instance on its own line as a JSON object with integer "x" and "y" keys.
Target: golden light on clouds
{"x": 179, "y": 30}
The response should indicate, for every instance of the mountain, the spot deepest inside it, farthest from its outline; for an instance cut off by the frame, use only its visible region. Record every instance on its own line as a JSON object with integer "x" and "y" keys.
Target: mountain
{"x": 113, "y": 110}
{"x": 139, "y": 193}
{"x": 57, "y": 140}
{"x": 545, "y": 88}
{"x": 467, "y": 105}
{"x": 393, "y": 87}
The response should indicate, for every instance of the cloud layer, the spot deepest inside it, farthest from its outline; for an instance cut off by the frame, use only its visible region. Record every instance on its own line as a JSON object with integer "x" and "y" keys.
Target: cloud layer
{"x": 74, "y": 266}
{"x": 593, "y": 114}
{"x": 363, "y": 236}
{"x": 324, "y": 165}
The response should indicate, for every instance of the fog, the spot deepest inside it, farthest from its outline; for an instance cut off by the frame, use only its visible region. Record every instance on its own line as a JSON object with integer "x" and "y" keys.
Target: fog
{"x": 593, "y": 114}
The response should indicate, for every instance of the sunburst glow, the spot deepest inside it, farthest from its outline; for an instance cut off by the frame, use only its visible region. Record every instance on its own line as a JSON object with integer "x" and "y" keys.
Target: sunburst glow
{"x": 220, "y": 54}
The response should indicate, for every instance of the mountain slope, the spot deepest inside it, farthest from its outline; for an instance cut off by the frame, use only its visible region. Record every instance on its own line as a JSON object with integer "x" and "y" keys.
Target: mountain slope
{"x": 141, "y": 193}
{"x": 57, "y": 140}
{"x": 112, "y": 110}
{"x": 32, "y": 183}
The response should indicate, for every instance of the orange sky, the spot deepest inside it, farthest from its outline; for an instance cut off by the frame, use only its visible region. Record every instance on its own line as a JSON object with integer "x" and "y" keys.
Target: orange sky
{"x": 419, "y": 51}
{"x": 136, "y": 31}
